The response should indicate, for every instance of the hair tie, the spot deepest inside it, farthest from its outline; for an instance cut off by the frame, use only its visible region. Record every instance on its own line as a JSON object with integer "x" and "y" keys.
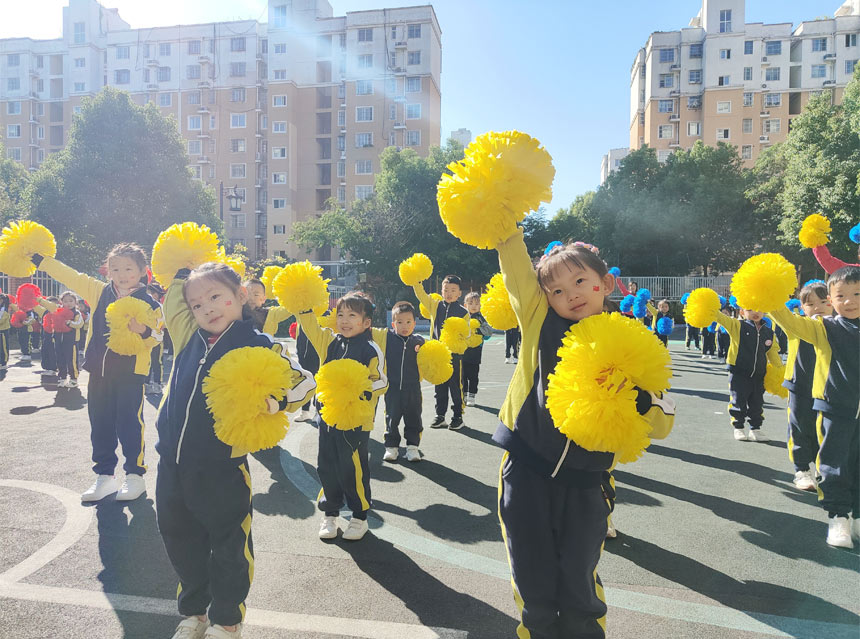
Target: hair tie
{"x": 551, "y": 246}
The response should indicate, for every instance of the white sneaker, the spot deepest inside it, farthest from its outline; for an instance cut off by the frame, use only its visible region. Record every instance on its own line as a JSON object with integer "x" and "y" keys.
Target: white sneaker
{"x": 356, "y": 529}
{"x": 328, "y": 528}
{"x": 191, "y": 628}
{"x": 72, "y": 383}
{"x": 611, "y": 532}
{"x": 63, "y": 383}
{"x": 413, "y": 454}
{"x": 740, "y": 434}
{"x": 103, "y": 486}
{"x": 507, "y": 360}
{"x": 803, "y": 480}
{"x": 514, "y": 360}
{"x": 757, "y": 436}
{"x": 25, "y": 358}
{"x": 306, "y": 416}
{"x": 132, "y": 488}
{"x": 3, "y": 367}
{"x": 390, "y": 454}
{"x": 839, "y": 532}
{"x": 218, "y": 632}
{"x": 704, "y": 357}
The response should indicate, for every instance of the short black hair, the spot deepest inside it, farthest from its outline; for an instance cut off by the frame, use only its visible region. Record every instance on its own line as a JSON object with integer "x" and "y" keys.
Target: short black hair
{"x": 400, "y": 308}
{"x": 358, "y": 302}
{"x": 849, "y": 273}
{"x": 816, "y": 288}
{"x": 453, "y": 279}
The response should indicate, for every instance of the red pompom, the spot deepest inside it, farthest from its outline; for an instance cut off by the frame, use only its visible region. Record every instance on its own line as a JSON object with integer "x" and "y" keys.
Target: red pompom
{"x": 17, "y": 319}
{"x": 293, "y": 330}
{"x": 28, "y": 296}
{"x": 48, "y": 322}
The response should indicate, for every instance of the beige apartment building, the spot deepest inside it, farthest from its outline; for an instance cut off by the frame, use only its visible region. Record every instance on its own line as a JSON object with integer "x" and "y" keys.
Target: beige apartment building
{"x": 290, "y": 112}
{"x": 722, "y": 80}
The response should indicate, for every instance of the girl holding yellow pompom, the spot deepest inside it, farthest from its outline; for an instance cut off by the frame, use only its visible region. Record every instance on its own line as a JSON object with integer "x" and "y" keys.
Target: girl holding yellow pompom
{"x": 203, "y": 489}
{"x": 115, "y": 392}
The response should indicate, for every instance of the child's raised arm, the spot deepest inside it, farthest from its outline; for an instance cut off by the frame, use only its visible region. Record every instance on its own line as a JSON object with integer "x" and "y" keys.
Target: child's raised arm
{"x": 178, "y": 317}
{"x": 731, "y": 324}
{"x": 429, "y": 302}
{"x": 319, "y": 337}
{"x": 274, "y": 316}
{"x": 799, "y": 327}
{"x": 527, "y": 298}
{"x": 87, "y": 287}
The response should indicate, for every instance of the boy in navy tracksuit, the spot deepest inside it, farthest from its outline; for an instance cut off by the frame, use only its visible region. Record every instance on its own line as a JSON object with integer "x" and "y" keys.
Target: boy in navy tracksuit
{"x": 66, "y": 336}
{"x": 440, "y": 310}
{"x": 836, "y": 389}
{"x": 472, "y": 356}
{"x": 752, "y": 345}
{"x": 203, "y": 491}
{"x": 709, "y": 341}
{"x": 342, "y": 458}
{"x": 310, "y": 361}
{"x": 403, "y": 397}
{"x": 692, "y": 336}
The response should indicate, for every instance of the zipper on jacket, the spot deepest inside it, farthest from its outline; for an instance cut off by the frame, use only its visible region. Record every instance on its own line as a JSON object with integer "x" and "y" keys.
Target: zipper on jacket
{"x": 402, "y": 359}
{"x": 755, "y": 356}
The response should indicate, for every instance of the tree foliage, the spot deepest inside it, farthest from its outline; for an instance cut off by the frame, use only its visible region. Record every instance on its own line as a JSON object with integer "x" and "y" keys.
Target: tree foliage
{"x": 13, "y": 184}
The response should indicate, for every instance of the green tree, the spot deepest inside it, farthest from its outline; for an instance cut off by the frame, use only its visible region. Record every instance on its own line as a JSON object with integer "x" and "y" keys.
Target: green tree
{"x": 123, "y": 177}
{"x": 13, "y": 183}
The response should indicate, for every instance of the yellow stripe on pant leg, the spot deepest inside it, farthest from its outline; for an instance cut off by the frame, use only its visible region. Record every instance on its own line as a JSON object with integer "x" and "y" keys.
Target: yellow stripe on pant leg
{"x": 246, "y": 528}
{"x": 819, "y": 431}
{"x": 178, "y": 589}
{"x": 790, "y": 438}
{"x": 140, "y": 420}
{"x": 359, "y": 483}
{"x": 598, "y": 590}
{"x": 74, "y": 359}
{"x": 522, "y": 631}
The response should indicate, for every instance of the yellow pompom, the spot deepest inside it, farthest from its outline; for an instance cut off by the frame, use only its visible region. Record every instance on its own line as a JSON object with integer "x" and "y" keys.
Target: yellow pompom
{"x": 121, "y": 339}
{"x": 186, "y": 245}
{"x": 328, "y": 321}
{"x": 236, "y": 390}
{"x": 434, "y": 362}
{"x": 496, "y": 305}
{"x": 502, "y": 177}
{"x": 764, "y": 282}
{"x": 813, "y": 232}
{"x": 268, "y": 276}
{"x": 341, "y": 385}
{"x": 233, "y": 261}
{"x": 773, "y": 378}
{"x": 598, "y": 355}
{"x": 300, "y": 287}
{"x": 414, "y": 270}
{"x": 701, "y": 308}
{"x": 455, "y": 334}
{"x": 425, "y": 312}
{"x": 18, "y": 243}
{"x": 475, "y": 337}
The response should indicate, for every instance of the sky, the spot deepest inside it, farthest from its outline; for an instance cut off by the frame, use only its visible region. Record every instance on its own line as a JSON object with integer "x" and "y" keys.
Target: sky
{"x": 558, "y": 70}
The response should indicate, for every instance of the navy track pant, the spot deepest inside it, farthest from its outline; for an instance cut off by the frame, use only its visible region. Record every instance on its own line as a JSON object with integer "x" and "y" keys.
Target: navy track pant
{"x": 802, "y": 436}
{"x": 747, "y": 400}
{"x": 115, "y": 405}
{"x": 344, "y": 471}
{"x": 405, "y": 404}
{"x": 837, "y": 464}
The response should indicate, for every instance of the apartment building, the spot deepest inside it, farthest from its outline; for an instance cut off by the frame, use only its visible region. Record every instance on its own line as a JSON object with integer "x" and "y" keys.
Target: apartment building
{"x": 722, "y": 80}
{"x": 611, "y": 162}
{"x": 289, "y": 112}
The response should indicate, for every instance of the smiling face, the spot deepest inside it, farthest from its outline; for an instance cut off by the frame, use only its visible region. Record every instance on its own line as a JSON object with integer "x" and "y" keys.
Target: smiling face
{"x": 256, "y": 295}
{"x": 815, "y": 305}
{"x": 214, "y": 304}
{"x": 576, "y": 292}
{"x": 473, "y": 305}
{"x": 450, "y": 292}
{"x": 69, "y": 302}
{"x": 403, "y": 323}
{"x": 351, "y": 322}
{"x": 125, "y": 273}
{"x": 663, "y": 307}
{"x": 845, "y": 297}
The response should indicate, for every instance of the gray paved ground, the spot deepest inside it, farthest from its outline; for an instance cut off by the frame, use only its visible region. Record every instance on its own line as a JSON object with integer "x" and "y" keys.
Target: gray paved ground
{"x": 714, "y": 541}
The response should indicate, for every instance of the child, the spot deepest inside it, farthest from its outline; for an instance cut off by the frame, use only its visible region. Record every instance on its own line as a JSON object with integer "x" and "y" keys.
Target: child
{"x": 342, "y": 462}
{"x": 554, "y": 496}
{"x": 799, "y": 368}
{"x": 403, "y": 397}
{"x": 472, "y": 356}
{"x": 310, "y": 361}
{"x": 66, "y": 335}
{"x": 723, "y": 339}
{"x": 203, "y": 488}
{"x": 752, "y": 345}
{"x": 6, "y": 310}
{"x": 512, "y": 345}
{"x": 154, "y": 380}
{"x": 692, "y": 336}
{"x": 657, "y": 314}
{"x": 836, "y": 389}
{"x": 266, "y": 319}
{"x": 439, "y": 311}
{"x": 84, "y": 310}
{"x": 115, "y": 392}
{"x": 25, "y": 333}
{"x": 709, "y": 341}
{"x": 49, "y": 350}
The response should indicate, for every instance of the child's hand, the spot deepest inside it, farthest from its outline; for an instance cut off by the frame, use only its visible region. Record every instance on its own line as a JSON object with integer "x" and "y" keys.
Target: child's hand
{"x": 68, "y": 322}
{"x": 272, "y": 405}
{"x": 136, "y": 327}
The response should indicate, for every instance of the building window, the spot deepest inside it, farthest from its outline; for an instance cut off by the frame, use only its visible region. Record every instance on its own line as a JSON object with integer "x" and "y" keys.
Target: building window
{"x": 13, "y": 130}
{"x": 194, "y": 47}
{"x": 279, "y": 16}
{"x": 280, "y": 74}
{"x": 772, "y": 126}
{"x": 413, "y": 31}
{"x": 747, "y": 125}
{"x": 341, "y": 118}
{"x": 724, "y": 107}
{"x": 279, "y": 152}
{"x": 164, "y": 74}
{"x": 364, "y": 167}
{"x": 725, "y": 54}
{"x": 164, "y": 49}
{"x": 279, "y": 127}
{"x": 413, "y": 111}
{"x": 40, "y": 132}
{"x": 341, "y": 168}
{"x": 413, "y": 58}
{"x": 195, "y": 147}
{"x": 849, "y": 66}
{"x": 80, "y": 63}
{"x": 123, "y": 53}
{"x": 280, "y": 48}
{"x": 80, "y": 87}
{"x": 747, "y": 74}
{"x": 364, "y": 87}
{"x": 237, "y": 171}
{"x": 341, "y": 194}
{"x": 850, "y": 39}
{"x": 667, "y": 80}
{"x": 195, "y": 171}
{"x": 365, "y": 35}
{"x": 192, "y": 71}
{"x": 748, "y": 99}
{"x": 695, "y": 76}
{"x": 746, "y": 152}
{"x": 341, "y": 143}
{"x": 279, "y": 229}
{"x": 80, "y": 32}
{"x": 774, "y": 47}
{"x": 237, "y": 145}
{"x": 77, "y": 110}
{"x": 279, "y": 203}
{"x": 194, "y": 97}
{"x": 279, "y": 178}
{"x": 722, "y": 134}
{"x": 237, "y": 120}
{"x": 237, "y": 94}
{"x": 413, "y": 138}
{"x": 392, "y": 112}
{"x": 279, "y": 100}
{"x": 413, "y": 85}
{"x": 666, "y": 131}
{"x": 13, "y": 108}
{"x": 194, "y": 123}
{"x": 667, "y": 55}
{"x": 165, "y": 99}
{"x": 693, "y": 102}
{"x": 641, "y": 119}
{"x": 365, "y": 61}
{"x": 363, "y": 140}
{"x": 213, "y": 124}
{"x": 40, "y": 61}
{"x": 723, "y": 80}
{"x": 725, "y": 21}
{"x": 237, "y": 69}
{"x": 14, "y": 154}
{"x": 748, "y": 47}
{"x": 666, "y": 106}
{"x": 364, "y": 114}
{"x": 13, "y": 60}
{"x": 819, "y": 44}
{"x": 237, "y": 220}
{"x": 696, "y": 50}
{"x": 237, "y": 44}
{"x": 694, "y": 129}
{"x": 362, "y": 192}
{"x": 122, "y": 76}
{"x": 819, "y": 70}
{"x": 772, "y": 74}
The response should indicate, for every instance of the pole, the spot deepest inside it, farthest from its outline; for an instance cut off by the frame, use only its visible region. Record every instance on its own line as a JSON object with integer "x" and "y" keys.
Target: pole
{"x": 221, "y": 200}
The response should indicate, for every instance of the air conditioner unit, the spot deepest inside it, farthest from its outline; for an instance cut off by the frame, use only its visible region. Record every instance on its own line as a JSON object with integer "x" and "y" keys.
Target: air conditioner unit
{"x": 763, "y": 138}
{"x": 764, "y": 58}
{"x": 763, "y": 86}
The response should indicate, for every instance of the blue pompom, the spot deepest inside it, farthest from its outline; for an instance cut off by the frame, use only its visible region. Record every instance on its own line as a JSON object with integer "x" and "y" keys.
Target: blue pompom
{"x": 665, "y": 326}
{"x": 792, "y": 304}
{"x": 644, "y": 294}
{"x": 616, "y": 272}
{"x": 723, "y": 330}
{"x": 639, "y": 308}
{"x": 767, "y": 321}
{"x": 684, "y": 298}
{"x": 627, "y": 303}
{"x": 713, "y": 327}
{"x": 854, "y": 234}
{"x": 723, "y": 301}
{"x": 810, "y": 282}
{"x": 733, "y": 301}
{"x": 551, "y": 246}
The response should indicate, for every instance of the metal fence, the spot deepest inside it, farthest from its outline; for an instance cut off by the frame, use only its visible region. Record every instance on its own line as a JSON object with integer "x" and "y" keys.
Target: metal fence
{"x": 47, "y": 284}
{"x": 672, "y": 288}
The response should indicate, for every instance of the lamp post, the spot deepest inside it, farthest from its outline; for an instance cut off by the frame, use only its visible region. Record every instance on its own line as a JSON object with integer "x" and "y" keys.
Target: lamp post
{"x": 232, "y": 195}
